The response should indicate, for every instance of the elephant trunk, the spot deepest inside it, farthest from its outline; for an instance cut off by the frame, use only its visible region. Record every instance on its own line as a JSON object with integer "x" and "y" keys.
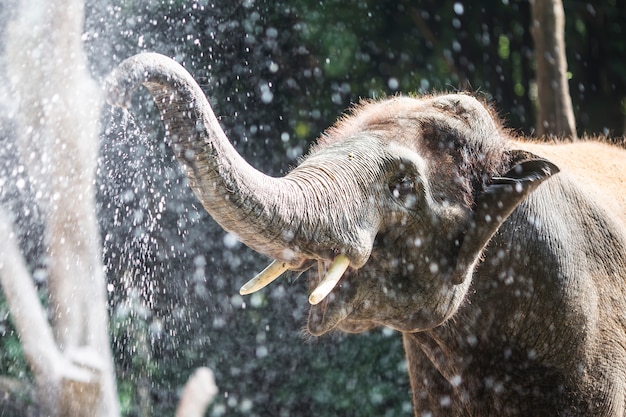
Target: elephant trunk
{"x": 241, "y": 199}
{"x": 291, "y": 219}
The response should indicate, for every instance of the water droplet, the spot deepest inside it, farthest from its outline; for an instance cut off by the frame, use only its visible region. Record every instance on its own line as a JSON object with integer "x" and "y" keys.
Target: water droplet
{"x": 261, "y": 351}
{"x": 231, "y": 241}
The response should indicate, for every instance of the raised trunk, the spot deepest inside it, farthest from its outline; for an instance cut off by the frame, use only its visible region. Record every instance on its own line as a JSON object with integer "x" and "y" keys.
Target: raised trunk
{"x": 280, "y": 217}
{"x": 221, "y": 179}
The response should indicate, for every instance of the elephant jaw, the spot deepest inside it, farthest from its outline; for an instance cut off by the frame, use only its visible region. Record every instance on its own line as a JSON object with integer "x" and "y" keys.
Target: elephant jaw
{"x": 353, "y": 256}
{"x": 340, "y": 308}
{"x": 327, "y": 299}
{"x": 326, "y": 313}
{"x": 325, "y": 316}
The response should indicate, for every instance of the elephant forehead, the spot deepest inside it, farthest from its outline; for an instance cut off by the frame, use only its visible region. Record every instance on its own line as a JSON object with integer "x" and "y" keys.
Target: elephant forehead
{"x": 360, "y": 143}
{"x": 358, "y": 158}
{"x": 461, "y": 104}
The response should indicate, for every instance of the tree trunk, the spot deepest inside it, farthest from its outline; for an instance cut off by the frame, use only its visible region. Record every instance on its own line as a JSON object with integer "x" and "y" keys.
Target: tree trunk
{"x": 555, "y": 115}
{"x": 57, "y": 109}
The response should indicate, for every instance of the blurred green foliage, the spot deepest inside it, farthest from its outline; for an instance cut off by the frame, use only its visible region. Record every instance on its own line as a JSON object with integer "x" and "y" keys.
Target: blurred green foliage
{"x": 12, "y": 363}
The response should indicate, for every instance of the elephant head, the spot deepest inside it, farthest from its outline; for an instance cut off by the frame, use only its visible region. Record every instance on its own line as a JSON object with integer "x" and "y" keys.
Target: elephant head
{"x": 393, "y": 205}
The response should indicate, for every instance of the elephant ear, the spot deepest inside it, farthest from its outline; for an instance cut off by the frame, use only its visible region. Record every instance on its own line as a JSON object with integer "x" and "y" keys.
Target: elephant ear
{"x": 496, "y": 203}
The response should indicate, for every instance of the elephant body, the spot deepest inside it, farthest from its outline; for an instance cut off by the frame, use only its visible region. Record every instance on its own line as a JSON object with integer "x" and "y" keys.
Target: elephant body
{"x": 542, "y": 329}
{"x": 501, "y": 261}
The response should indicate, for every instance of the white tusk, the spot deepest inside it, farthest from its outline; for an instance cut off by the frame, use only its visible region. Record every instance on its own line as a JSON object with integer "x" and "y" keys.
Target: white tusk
{"x": 330, "y": 281}
{"x": 263, "y": 278}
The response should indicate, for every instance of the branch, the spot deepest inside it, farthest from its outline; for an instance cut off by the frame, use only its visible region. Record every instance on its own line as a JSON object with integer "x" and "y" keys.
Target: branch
{"x": 74, "y": 376}
{"x": 57, "y": 107}
{"x": 197, "y": 394}
{"x": 26, "y": 310}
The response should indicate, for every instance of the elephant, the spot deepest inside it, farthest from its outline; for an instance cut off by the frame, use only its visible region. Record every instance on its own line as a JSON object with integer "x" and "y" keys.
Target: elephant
{"x": 500, "y": 260}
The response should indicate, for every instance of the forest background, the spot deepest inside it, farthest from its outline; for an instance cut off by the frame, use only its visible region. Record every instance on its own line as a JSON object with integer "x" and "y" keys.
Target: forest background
{"x": 277, "y": 73}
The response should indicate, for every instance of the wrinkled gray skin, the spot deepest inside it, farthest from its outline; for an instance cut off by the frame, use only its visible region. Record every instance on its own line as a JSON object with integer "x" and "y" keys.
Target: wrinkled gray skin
{"x": 506, "y": 281}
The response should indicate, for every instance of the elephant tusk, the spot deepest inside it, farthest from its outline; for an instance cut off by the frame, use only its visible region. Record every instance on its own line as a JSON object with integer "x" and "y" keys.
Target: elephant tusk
{"x": 330, "y": 281}
{"x": 263, "y": 278}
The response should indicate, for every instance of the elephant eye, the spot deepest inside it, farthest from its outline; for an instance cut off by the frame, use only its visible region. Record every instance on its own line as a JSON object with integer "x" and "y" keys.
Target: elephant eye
{"x": 402, "y": 186}
{"x": 405, "y": 184}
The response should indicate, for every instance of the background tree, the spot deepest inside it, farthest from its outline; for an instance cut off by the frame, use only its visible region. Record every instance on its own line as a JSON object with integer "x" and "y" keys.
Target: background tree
{"x": 555, "y": 115}
{"x": 277, "y": 73}
{"x": 56, "y": 107}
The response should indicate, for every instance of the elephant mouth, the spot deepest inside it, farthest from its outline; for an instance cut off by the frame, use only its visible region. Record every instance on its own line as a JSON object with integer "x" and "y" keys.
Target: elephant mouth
{"x": 323, "y": 319}
{"x": 330, "y": 290}
{"x": 333, "y": 308}
{"x": 324, "y": 287}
